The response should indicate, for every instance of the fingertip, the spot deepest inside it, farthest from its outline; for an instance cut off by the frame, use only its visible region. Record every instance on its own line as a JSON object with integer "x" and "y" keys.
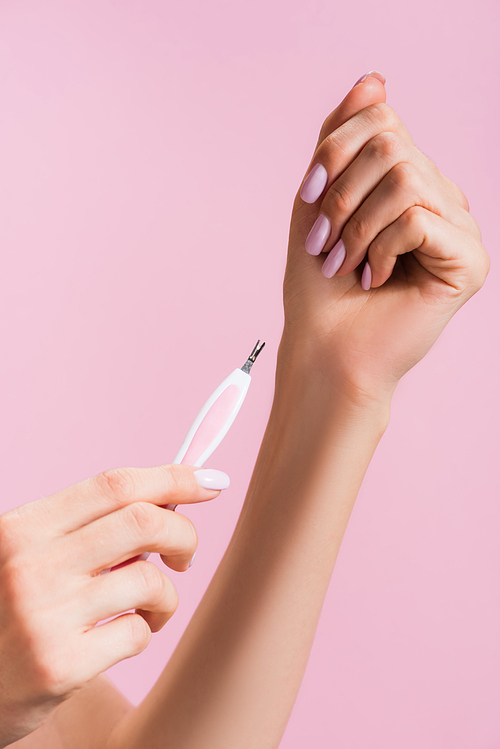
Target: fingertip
{"x": 372, "y": 74}
{"x": 370, "y": 89}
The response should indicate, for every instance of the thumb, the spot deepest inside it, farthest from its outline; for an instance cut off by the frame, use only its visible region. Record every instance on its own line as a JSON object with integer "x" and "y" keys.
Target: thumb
{"x": 369, "y": 89}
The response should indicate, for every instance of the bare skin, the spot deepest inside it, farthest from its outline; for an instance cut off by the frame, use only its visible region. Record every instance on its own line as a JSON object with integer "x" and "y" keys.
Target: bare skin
{"x": 235, "y": 674}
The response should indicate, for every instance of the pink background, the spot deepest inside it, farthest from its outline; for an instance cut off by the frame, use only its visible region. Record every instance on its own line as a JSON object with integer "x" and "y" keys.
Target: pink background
{"x": 149, "y": 155}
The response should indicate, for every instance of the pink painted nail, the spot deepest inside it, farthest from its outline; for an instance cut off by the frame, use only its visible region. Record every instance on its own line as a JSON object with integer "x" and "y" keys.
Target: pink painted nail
{"x": 210, "y": 478}
{"x": 314, "y": 184}
{"x": 366, "y": 278}
{"x": 334, "y": 260}
{"x": 316, "y": 239}
{"x": 373, "y": 73}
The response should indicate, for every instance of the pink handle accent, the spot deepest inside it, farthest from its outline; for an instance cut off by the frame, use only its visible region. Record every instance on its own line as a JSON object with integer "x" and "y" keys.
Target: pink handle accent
{"x": 211, "y": 424}
{"x": 210, "y": 427}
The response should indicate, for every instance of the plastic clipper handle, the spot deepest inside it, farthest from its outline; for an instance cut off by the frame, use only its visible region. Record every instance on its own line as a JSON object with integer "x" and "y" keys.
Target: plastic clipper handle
{"x": 214, "y": 420}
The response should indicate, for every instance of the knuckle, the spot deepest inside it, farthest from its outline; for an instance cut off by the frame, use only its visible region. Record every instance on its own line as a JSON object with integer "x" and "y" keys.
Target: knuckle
{"x": 338, "y": 200}
{"x": 21, "y": 591}
{"x": 170, "y": 599}
{"x": 166, "y": 605}
{"x": 54, "y": 674}
{"x": 457, "y": 192}
{"x": 27, "y": 604}
{"x": 174, "y": 478}
{"x": 387, "y": 145}
{"x": 357, "y": 230}
{"x": 464, "y": 202}
{"x": 149, "y": 579}
{"x": 402, "y": 175}
{"x": 173, "y": 601}
{"x": 415, "y": 218}
{"x": 117, "y": 483}
{"x": 139, "y": 633}
{"x": 141, "y": 519}
{"x": 377, "y": 250}
{"x": 382, "y": 115}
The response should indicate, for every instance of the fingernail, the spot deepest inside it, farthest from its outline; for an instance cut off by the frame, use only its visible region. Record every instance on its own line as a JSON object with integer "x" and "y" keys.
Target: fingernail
{"x": 366, "y": 278}
{"x": 192, "y": 560}
{"x": 316, "y": 239}
{"x": 334, "y": 260}
{"x": 314, "y": 184}
{"x": 210, "y": 478}
{"x": 375, "y": 74}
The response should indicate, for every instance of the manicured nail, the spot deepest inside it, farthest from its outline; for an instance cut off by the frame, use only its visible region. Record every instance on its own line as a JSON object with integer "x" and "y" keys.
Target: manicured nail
{"x": 366, "y": 278}
{"x": 209, "y": 478}
{"x": 334, "y": 260}
{"x": 373, "y": 73}
{"x": 316, "y": 239}
{"x": 314, "y": 184}
{"x": 192, "y": 560}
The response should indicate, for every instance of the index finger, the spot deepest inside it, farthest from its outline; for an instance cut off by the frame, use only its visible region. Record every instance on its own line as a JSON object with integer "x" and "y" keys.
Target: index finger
{"x": 111, "y": 490}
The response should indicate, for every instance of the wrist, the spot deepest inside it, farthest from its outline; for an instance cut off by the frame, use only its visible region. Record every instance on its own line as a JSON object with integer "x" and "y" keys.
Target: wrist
{"x": 319, "y": 440}
{"x": 307, "y": 366}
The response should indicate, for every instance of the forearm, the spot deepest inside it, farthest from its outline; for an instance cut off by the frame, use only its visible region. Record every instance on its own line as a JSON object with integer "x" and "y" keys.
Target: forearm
{"x": 235, "y": 674}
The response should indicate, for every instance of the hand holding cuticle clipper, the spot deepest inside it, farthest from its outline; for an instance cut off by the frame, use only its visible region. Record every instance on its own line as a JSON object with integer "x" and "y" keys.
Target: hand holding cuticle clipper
{"x": 214, "y": 420}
